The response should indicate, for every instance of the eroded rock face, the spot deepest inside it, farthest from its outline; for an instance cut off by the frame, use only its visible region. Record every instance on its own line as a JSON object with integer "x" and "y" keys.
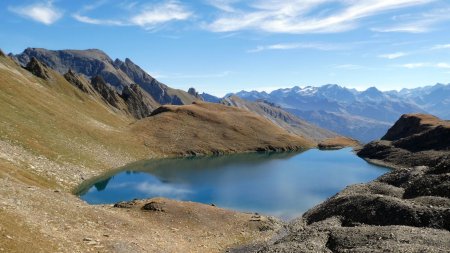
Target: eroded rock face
{"x": 38, "y": 69}
{"x": 417, "y": 132}
{"x": 139, "y": 103}
{"x": 415, "y": 139}
{"x": 109, "y": 95}
{"x": 194, "y": 93}
{"x": 94, "y": 62}
{"x": 79, "y": 82}
{"x": 154, "y": 206}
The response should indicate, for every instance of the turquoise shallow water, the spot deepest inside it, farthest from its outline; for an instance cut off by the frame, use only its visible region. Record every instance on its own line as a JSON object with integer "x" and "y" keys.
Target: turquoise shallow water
{"x": 279, "y": 184}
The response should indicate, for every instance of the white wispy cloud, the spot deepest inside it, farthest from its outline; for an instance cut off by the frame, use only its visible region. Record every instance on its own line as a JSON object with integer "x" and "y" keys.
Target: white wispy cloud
{"x": 293, "y": 16}
{"x": 415, "y": 65}
{"x": 443, "y": 65}
{"x": 441, "y": 46}
{"x": 419, "y": 23}
{"x": 43, "y": 12}
{"x": 93, "y": 21}
{"x": 440, "y": 65}
{"x": 223, "y": 5}
{"x": 349, "y": 66}
{"x": 393, "y": 55}
{"x": 146, "y": 16}
{"x": 154, "y": 15}
{"x": 287, "y": 46}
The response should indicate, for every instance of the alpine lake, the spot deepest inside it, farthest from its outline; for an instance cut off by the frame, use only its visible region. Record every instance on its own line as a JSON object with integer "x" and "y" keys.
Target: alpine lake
{"x": 284, "y": 185}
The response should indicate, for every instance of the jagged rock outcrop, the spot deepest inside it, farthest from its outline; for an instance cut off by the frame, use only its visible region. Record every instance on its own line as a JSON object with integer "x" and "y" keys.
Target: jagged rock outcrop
{"x": 2, "y": 54}
{"x": 414, "y": 139}
{"x": 417, "y": 132}
{"x": 94, "y": 62}
{"x": 91, "y": 62}
{"x": 38, "y": 69}
{"x": 194, "y": 93}
{"x": 108, "y": 94}
{"x": 139, "y": 103}
{"x": 406, "y": 210}
{"x": 79, "y": 82}
{"x": 159, "y": 91}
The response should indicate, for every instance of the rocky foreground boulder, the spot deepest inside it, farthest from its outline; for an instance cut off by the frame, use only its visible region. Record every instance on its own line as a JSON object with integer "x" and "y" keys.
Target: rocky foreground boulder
{"x": 406, "y": 210}
{"x": 415, "y": 139}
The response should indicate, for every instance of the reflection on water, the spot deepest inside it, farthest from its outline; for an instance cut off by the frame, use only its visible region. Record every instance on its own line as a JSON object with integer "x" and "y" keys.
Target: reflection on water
{"x": 280, "y": 184}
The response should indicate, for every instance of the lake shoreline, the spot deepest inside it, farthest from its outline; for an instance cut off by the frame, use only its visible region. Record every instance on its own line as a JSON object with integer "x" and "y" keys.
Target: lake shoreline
{"x": 206, "y": 179}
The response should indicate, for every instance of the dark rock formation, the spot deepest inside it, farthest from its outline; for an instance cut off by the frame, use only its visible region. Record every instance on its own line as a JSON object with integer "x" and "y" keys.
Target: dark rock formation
{"x": 210, "y": 98}
{"x": 154, "y": 206}
{"x": 79, "y": 82}
{"x": 108, "y": 94}
{"x": 139, "y": 103}
{"x": 156, "y": 89}
{"x": 194, "y": 93}
{"x": 406, "y": 210}
{"x": 38, "y": 69}
{"x": 127, "y": 204}
{"x": 2, "y": 54}
{"x": 94, "y": 62}
{"x": 415, "y": 139}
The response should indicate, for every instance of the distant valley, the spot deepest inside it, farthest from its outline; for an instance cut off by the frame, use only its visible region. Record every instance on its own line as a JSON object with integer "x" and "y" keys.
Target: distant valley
{"x": 363, "y": 115}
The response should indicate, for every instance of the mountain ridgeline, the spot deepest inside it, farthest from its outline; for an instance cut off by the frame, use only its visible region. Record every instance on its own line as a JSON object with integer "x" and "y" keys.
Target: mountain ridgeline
{"x": 127, "y": 78}
{"x": 363, "y": 115}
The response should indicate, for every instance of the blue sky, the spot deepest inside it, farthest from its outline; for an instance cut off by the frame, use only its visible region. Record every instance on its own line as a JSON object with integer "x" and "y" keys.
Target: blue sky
{"x": 230, "y": 45}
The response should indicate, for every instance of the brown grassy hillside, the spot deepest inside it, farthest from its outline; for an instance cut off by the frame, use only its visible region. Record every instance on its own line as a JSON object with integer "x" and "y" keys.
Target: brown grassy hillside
{"x": 205, "y": 128}
{"x": 282, "y": 118}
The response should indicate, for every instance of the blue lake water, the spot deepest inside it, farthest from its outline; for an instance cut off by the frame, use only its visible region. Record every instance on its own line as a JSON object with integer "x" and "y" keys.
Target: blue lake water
{"x": 279, "y": 184}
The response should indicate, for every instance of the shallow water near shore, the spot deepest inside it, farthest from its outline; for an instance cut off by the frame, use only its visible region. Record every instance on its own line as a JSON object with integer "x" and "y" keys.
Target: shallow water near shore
{"x": 279, "y": 184}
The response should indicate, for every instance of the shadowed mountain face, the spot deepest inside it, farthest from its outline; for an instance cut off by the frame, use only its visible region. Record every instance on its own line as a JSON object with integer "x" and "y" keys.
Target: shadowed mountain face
{"x": 119, "y": 74}
{"x": 364, "y": 115}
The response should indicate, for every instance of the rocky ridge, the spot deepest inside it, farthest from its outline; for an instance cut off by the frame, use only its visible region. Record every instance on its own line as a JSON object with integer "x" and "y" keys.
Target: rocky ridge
{"x": 415, "y": 139}
{"x": 38, "y": 69}
{"x": 119, "y": 74}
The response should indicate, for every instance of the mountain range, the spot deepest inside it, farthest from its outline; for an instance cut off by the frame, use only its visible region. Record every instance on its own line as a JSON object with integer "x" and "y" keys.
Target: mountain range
{"x": 363, "y": 115}
{"x": 119, "y": 74}
{"x": 128, "y": 89}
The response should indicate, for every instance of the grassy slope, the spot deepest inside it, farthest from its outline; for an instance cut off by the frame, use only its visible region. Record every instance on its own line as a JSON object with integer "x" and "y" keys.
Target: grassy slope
{"x": 282, "y": 118}
{"x": 54, "y": 119}
{"x": 205, "y": 128}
